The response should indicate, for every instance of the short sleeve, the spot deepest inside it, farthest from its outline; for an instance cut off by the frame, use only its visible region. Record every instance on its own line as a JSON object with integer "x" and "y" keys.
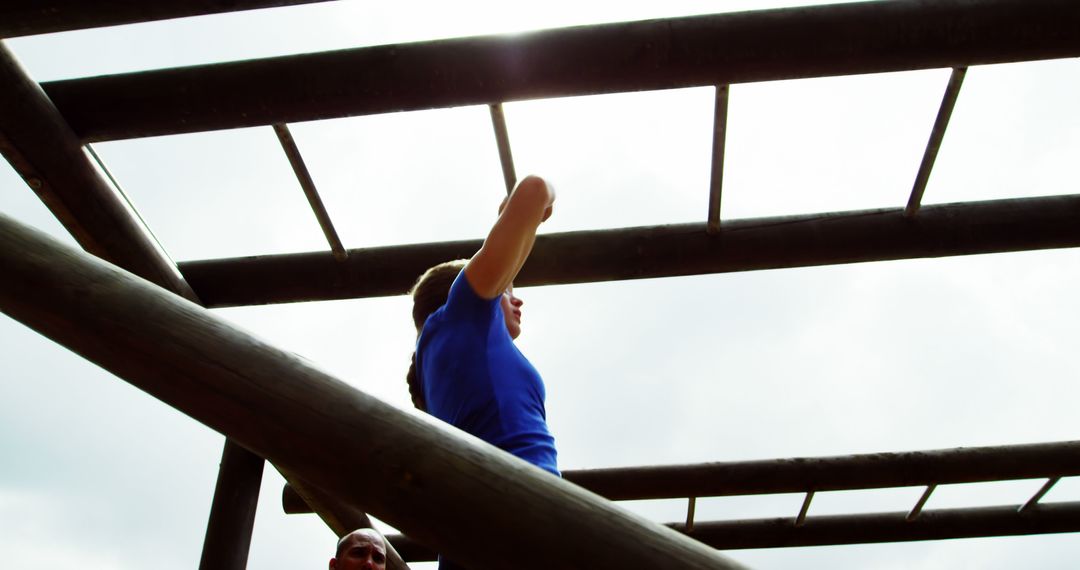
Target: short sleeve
{"x": 464, "y": 303}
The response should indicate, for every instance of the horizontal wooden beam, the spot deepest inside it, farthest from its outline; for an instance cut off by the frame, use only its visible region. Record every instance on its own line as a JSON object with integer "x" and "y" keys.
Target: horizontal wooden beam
{"x": 1048, "y": 518}
{"x": 433, "y": 482}
{"x": 660, "y": 251}
{"x": 804, "y": 474}
{"x": 940, "y": 524}
{"x": 865, "y": 471}
{"x": 29, "y": 17}
{"x": 786, "y": 43}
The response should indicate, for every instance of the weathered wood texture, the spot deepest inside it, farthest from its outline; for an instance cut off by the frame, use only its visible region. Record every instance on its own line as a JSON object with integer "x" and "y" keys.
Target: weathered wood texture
{"x": 661, "y": 251}
{"x": 787, "y": 43}
{"x": 441, "y": 486}
{"x": 29, "y": 17}
{"x": 939, "y": 524}
{"x": 44, "y": 151}
{"x": 802, "y": 474}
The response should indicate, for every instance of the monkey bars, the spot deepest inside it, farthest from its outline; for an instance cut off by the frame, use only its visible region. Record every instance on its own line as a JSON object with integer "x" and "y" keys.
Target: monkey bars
{"x": 44, "y": 126}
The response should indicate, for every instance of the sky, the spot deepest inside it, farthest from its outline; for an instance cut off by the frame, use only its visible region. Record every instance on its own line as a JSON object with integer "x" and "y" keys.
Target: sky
{"x": 890, "y": 356}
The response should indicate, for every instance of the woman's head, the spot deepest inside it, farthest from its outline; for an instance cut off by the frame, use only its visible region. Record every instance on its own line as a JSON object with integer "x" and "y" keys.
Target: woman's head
{"x": 429, "y": 293}
{"x": 431, "y": 290}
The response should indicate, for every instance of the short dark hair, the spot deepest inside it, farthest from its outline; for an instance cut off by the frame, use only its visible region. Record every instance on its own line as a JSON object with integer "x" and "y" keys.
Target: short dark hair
{"x": 429, "y": 293}
{"x": 340, "y": 545}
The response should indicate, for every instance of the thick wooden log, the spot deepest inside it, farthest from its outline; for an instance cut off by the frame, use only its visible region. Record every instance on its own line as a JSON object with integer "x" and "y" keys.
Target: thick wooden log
{"x": 804, "y": 474}
{"x": 660, "y": 251}
{"x": 439, "y": 485}
{"x": 856, "y": 529}
{"x": 786, "y": 43}
{"x": 29, "y": 17}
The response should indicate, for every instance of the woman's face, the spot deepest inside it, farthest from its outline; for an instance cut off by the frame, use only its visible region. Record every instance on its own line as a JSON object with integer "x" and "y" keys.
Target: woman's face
{"x": 511, "y": 308}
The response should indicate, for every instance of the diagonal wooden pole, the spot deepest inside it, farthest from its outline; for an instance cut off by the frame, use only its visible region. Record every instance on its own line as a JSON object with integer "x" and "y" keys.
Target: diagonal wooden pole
{"x": 441, "y": 486}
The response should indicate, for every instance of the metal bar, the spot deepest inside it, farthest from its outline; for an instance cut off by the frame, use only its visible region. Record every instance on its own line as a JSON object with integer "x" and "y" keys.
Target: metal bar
{"x": 660, "y": 251}
{"x": 798, "y": 475}
{"x": 232, "y": 512}
{"x": 304, "y": 177}
{"x": 357, "y": 448}
{"x": 922, "y": 502}
{"x": 799, "y": 520}
{"x": 856, "y": 529}
{"x": 29, "y": 17}
{"x": 952, "y": 91}
{"x": 690, "y": 508}
{"x": 502, "y": 139}
{"x": 721, "y": 49}
{"x": 42, "y": 148}
{"x": 1026, "y": 507}
{"x": 716, "y": 179}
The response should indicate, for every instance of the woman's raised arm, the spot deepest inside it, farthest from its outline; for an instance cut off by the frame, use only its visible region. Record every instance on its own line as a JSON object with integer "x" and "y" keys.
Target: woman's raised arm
{"x": 508, "y": 244}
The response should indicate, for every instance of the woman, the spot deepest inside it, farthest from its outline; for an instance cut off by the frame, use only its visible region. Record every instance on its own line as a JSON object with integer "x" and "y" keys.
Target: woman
{"x": 466, "y": 370}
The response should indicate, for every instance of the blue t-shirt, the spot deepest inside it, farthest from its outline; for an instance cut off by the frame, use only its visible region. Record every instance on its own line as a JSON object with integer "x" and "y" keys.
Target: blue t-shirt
{"x": 474, "y": 377}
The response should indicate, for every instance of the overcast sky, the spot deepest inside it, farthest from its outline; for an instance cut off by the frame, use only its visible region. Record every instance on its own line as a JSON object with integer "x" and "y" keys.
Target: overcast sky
{"x": 906, "y": 355}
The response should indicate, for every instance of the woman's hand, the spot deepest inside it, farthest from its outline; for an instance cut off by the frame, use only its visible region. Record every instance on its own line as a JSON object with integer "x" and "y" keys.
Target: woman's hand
{"x": 547, "y": 211}
{"x": 492, "y": 269}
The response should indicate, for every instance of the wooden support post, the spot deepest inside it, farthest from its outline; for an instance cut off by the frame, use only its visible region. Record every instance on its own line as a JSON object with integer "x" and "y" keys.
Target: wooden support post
{"x": 42, "y": 148}
{"x": 232, "y": 514}
{"x": 435, "y": 483}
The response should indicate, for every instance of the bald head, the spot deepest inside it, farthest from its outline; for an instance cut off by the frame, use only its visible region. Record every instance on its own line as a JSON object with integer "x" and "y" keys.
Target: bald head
{"x": 361, "y": 549}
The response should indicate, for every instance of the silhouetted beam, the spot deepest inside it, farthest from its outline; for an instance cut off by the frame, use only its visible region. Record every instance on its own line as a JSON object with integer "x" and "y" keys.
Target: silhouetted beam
{"x": 803, "y": 474}
{"x": 786, "y": 43}
{"x": 29, "y": 17}
{"x": 856, "y": 529}
{"x": 437, "y": 484}
{"x": 660, "y": 251}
